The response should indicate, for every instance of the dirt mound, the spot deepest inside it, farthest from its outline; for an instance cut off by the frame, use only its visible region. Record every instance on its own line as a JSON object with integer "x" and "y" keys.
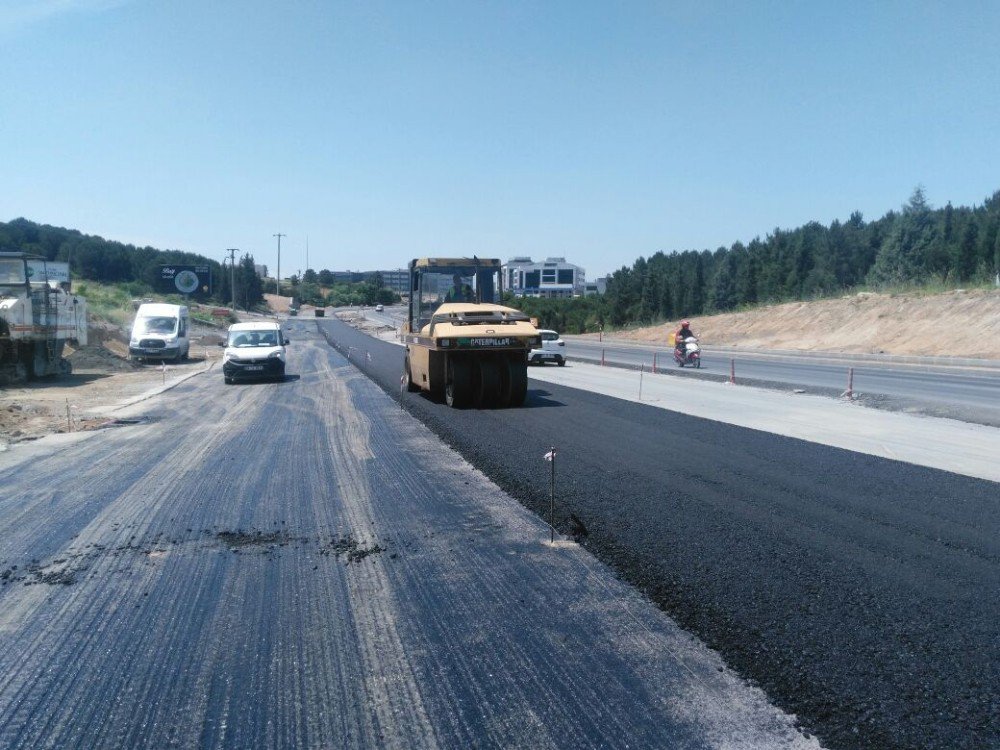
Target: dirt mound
{"x": 277, "y": 304}
{"x": 101, "y": 332}
{"x": 108, "y": 357}
{"x": 905, "y": 324}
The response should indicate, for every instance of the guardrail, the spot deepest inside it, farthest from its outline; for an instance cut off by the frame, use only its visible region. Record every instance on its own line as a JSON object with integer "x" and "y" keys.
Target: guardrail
{"x": 790, "y": 354}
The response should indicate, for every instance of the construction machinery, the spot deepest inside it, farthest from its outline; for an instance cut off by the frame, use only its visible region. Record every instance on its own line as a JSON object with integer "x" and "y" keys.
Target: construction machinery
{"x": 462, "y": 345}
{"x": 37, "y": 318}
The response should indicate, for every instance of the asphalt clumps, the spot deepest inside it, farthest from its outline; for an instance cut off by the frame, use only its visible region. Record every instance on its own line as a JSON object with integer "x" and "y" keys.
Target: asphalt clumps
{"x": 350, "y": 548}
{"x": 240, "y": 539}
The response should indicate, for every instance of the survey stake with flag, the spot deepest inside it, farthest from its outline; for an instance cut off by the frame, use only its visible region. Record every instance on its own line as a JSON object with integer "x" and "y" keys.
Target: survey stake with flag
{"x": 551, "y": 456}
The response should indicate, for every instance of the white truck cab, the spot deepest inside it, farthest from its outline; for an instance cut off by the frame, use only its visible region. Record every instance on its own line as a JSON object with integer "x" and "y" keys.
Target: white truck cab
{"x": 160, "y": 331}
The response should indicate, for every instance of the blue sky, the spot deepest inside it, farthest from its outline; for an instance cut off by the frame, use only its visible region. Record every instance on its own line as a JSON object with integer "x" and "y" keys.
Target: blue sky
{"x": 383, "y": 131}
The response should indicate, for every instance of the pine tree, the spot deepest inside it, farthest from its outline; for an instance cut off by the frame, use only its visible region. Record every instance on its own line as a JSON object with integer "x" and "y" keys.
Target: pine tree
{"x": 902, "y": 258}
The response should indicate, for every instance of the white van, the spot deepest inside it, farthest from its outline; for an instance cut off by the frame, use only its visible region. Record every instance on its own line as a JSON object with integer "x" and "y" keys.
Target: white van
{"x": 160, "y": 332}
{"x": 254, "y": 351}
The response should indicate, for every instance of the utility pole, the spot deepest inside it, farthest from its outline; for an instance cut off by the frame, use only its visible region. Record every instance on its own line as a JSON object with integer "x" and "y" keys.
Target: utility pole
{"x": 232, "y": 271}
{"x": 307, "y": 253}
{"x": 277, "y": 280}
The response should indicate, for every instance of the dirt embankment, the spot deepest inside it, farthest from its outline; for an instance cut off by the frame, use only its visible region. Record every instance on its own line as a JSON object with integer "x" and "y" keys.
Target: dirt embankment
{"x": 102, "y": 377}
{"x": 958, "y": 324}
{"x": 277, "y": 304}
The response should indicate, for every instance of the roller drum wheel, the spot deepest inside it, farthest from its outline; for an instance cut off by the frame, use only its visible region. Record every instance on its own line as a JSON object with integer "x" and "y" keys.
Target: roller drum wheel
{"x": 503, "y": 368}
{"x": 411, "y": 387}
{"x": 487, "y": 382}
{"x": 458, "y": 388}
{"x": 518, "y": 382}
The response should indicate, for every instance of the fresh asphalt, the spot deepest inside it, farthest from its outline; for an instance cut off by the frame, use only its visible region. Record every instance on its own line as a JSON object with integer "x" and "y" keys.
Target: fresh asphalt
{"x": 861, "y": 593}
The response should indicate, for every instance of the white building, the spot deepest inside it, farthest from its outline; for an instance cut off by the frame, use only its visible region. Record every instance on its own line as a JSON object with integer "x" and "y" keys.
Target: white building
{"x": 553, "y": 277}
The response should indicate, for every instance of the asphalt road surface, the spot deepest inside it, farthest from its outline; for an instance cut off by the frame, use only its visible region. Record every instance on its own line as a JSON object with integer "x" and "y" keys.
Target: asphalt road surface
{"x": 972, "y": 394}
{"x": 863, "y": 594}
{"x": 303, "y": 564}
{"x": 968, "y": 393}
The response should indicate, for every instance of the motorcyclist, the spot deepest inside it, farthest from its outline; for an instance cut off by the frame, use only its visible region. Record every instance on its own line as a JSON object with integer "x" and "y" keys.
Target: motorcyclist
{"x": 682, "y": 334}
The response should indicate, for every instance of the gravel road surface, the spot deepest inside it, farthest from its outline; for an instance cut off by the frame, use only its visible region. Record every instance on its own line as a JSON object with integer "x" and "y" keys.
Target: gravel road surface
{"x": 302, "y": 564}
{"x": 862, "y": 593}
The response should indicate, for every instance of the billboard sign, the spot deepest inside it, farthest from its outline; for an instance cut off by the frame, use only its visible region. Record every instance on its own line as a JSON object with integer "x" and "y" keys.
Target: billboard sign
{"x": 177, "y": 279}
{"x": 57, "y": 271}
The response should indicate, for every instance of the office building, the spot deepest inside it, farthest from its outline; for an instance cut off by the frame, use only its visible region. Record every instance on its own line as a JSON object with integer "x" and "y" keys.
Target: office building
{"x": 553, "y": 277}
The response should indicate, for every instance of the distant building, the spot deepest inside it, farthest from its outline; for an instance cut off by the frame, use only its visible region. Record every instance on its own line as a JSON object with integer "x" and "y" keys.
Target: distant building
{"x": 596, "y": 287}
{"x": 260, "y": 269}
{"x": 397, "y": 280}
{"x": 553, "y": 277}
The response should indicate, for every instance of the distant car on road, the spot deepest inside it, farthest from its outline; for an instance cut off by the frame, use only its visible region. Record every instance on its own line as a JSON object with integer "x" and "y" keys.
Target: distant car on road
{"x": 551, "y": 350}
{"x": 254, "y": 351}
{"x": 379, "y": 308}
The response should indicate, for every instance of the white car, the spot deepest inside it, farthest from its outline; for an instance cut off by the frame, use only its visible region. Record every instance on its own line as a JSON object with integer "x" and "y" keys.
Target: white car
{"x": 379, "y": 308}
{"x": 552, "y": 350}
{"x": 254, "y": 351}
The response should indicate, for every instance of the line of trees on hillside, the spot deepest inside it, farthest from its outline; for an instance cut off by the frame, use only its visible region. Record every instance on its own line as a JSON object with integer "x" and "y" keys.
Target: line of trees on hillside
{"x": 97, "y": 259}
{"x": 914, "y": 246}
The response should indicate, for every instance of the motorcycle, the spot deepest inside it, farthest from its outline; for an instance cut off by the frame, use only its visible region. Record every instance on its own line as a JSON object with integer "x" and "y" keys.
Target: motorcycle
{"x": 689, "y": 353}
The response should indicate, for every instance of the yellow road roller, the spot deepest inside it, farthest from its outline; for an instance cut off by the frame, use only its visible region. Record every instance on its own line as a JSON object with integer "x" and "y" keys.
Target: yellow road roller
{"x": 462, "y": 345}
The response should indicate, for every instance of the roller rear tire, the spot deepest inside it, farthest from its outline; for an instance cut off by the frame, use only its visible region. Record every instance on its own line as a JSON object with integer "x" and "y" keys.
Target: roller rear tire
{"x": 518, "y": 383}
{"x": 458, "y": 386}
{"x": 487, "y": 382}
{"x": 411, "y": 387}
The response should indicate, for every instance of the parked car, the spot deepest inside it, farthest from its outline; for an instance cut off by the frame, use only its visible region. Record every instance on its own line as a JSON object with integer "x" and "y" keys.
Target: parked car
{"x": 379, "y": 308}
{"x": 254, "y": 351}
{"x": 552, "y": 350}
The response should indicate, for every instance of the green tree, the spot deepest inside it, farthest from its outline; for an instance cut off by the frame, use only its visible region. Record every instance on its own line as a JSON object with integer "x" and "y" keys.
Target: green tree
{"x": 902, "y": 259}
{"x": 967, "y": 255}
{"x": 249, "y": 286}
